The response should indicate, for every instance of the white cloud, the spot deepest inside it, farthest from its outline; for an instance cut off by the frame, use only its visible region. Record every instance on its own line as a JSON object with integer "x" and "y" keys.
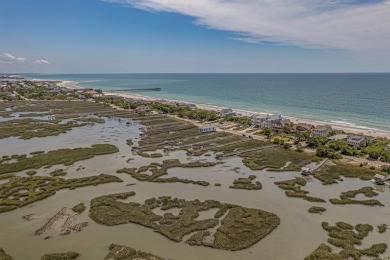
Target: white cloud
{"x": 40, "y": 62}
{"x": 9, "y": 58}
{"x": 340, "y": 24}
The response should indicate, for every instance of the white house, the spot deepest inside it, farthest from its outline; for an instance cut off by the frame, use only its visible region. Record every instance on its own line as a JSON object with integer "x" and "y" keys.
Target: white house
{"x": 387, "y": 147}
{"x": 207, "y": 129}
{"x": 321, "y": 130}
{"x": 356, "y": 140}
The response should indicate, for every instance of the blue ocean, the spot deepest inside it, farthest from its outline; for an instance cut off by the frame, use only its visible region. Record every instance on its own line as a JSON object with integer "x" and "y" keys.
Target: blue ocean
{"x": 356, "y": 99}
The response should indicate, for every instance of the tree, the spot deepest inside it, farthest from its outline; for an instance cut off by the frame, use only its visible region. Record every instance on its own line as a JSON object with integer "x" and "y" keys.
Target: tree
{"x": 267, "y": 131}
{"x": 374, "y": 155}
{"x": 313, "y": 142}
{"x": 299, "y": 148}
{"x": 324, "y": 151}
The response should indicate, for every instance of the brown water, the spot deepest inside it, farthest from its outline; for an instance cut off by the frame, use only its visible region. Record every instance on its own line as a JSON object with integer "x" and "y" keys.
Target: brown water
{"x": 297, "y": 236}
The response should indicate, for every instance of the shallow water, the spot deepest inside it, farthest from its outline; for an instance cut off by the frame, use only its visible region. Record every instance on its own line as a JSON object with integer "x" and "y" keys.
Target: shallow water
{"x": 297, "y": 236}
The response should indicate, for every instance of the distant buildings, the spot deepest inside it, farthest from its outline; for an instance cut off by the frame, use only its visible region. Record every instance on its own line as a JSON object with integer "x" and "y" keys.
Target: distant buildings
{"x": 303, "y": 127}
{"x": 207, "y": 129}
{"x": 142, "y": 108}
{"x": 227, "y": 112}
{"x": 266, "y": 121}
{"x": 356, "y": 140}
{"x": 387, "y": 147}
{"x": 321, "y": 130}
{"x": 338, "y": 137}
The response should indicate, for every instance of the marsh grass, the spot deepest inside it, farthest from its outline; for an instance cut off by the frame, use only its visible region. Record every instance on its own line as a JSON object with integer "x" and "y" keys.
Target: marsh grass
{"x": 382, "y": 228}
{"x": 61, "y": 156}
{"x": 239, "y": 229}
{"x": 27, "y": 128}
{"x": 58, "y": 172}
{"x": 21, "y": 191}
{"x": 246, "y": 183}
{"x": 331, "y": 174}
{"x": 158, "y": 170}
{"x": 293, "y": 189}
{"x": 276, "y": 158}
{"x": 317, "y": 210}
{"x": 346, "y": 237}
{"x": 347, "y": 197}
{"x": 61, "y": 256}
{"x": 118, "y": 252}
{"x": 79, "y": 208}
{"x": 4, "y": 255}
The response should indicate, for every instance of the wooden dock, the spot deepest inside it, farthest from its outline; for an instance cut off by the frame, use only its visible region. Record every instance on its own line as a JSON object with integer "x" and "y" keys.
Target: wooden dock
{"x": 134, "y": 89}
{"x": 306, "y": 171}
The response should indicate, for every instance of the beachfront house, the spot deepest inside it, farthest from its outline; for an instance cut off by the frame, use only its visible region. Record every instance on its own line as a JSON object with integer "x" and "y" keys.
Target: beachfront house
{"x": 303, "y": 127}
{"x": 321, "y": 130}
{"x": 339, "y": 137}
{"x": 387, "y": 147}
{"x": 142, "y": 109}
{"x": 226, "y": 112}
{"x": 356, "y": 140}
{"x": 207, "y": 129}
{"x": 266, "y": 121}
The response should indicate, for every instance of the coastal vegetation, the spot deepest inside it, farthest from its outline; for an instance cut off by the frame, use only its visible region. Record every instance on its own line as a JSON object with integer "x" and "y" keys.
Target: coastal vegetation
{"x": 382, "y": 228}
{"x": 276, "y": 159}
{"x": 238, "y": 227}
{"x": 316, "y": 210}
{"x": 346, "y": 237}
{"x": 331, "y": 173}
{"x": 4, "y": 255}
{"x": 154, "y": 171}
{"x": 79, "y": 208}
{"x": 119, "y": 252}
{"x": 28, "y": 128}
{"x": 293, "y": 189}
{"x": 246, "y": 183}
{"x": 51, "y": 158}
{"x": 61, "y": 256}
{"x": 21, "y": 191}
{"x": 58, "y": 172}
{"x": 347, "y": 197}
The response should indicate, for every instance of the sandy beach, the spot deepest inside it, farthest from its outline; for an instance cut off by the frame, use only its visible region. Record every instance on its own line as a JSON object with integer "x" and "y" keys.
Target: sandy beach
{"x": 347, "y": 129}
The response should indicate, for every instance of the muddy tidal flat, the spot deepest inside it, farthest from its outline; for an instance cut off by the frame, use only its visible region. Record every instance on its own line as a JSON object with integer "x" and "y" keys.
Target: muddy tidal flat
{"x": 99, "y": 183}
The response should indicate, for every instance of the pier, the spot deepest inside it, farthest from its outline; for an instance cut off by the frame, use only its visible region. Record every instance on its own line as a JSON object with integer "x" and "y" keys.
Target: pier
{"x": 134, "y": 89}
{"x": 307, "y": 171}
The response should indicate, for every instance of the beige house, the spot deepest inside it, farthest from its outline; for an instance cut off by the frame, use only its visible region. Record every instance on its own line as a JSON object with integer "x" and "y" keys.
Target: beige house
{"x": 321, "y": 130}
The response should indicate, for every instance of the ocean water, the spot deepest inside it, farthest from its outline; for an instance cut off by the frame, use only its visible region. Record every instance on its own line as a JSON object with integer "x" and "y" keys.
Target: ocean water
{"x": 358, "y": 100}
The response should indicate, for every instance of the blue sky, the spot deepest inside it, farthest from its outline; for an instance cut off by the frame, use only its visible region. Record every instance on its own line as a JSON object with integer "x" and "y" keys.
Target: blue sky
{"x": 131, "y": 36}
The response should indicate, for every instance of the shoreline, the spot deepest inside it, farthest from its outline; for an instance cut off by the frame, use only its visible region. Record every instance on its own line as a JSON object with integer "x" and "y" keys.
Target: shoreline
{"x": 377, "y": 133}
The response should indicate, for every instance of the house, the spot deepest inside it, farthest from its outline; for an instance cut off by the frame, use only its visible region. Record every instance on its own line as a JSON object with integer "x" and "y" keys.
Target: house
{"x": 81, "y": 97}
{"x": 281, "y": 124}
{"x": 303, "y": 127}
{"x": 381, "y": 179}
{"x": 207, "y": 129}
{"x": 338, "y": 137}
{"x": 387, "y": 147}
{"x": 356, "y": 140}
{"x": 321, "y": 130}
{"x": 142, "y": 108}
{"x": 226, "y": 112}
{"x": 266, "y": 121}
